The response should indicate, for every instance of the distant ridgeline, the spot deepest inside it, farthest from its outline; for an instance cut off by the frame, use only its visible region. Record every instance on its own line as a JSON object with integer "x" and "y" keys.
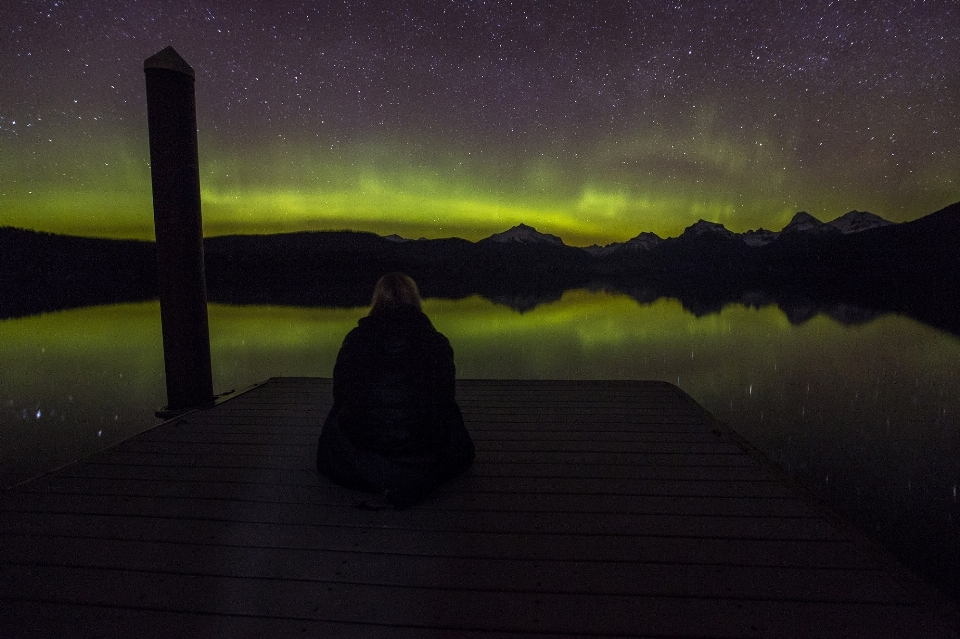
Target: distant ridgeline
{"x": 854, "y": 268}
{"x": 42, "y": 272}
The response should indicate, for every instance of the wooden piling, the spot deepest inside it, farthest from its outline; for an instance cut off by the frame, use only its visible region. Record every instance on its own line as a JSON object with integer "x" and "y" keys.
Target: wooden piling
{"x": 175, "y": 173}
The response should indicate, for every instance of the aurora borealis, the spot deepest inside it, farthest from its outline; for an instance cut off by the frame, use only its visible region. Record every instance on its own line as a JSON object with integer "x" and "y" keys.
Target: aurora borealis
{"x": 591, "y": 121}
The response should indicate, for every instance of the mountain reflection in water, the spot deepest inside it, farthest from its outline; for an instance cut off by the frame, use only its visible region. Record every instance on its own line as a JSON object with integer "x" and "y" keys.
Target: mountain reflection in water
{"x": 864, "y": 413}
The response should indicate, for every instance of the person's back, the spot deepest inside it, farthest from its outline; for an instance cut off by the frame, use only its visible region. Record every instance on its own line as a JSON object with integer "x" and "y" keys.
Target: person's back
{"x": 394, "y": 380}
{"x": 395, "y": 426}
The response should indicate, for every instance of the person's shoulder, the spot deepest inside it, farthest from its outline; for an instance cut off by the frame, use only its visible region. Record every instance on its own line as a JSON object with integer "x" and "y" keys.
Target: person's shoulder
{"x": 359, "y": 334}
{"x": 357, "y": 331}
{"x": 440, "y": 337}
{"x": 439, "y": 341}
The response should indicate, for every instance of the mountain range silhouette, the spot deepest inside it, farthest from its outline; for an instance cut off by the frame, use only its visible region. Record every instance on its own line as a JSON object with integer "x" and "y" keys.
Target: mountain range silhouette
{"x": 853, "y": 268}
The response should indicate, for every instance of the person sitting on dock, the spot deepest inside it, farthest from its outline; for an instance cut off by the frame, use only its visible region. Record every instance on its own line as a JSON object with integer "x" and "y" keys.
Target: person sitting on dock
{"x": 395, "y": 427}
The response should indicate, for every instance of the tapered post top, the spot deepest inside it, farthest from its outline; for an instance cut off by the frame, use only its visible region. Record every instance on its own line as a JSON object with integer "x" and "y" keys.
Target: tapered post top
{"x": 170, "y": 60}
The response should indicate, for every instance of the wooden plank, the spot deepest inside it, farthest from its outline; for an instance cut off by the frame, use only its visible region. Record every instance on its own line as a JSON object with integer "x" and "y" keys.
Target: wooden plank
{"x": 599, "y": 477}
{"x": 634, "y": 547}
{"x": 289, "y": 457}
{"x": 528, "y": 426}
{"x": 284, "y": 447}
{"x": 505, "y": 476}
{"x": 660, "y": 579}
{"x": 49, "y": 619}
{"x": 482, "y": 494}
{"x": 243, "y": 433}
{"x": 518, "y": 477}
{"x": 457, "y": 610}
{"x": 493, "y": 521}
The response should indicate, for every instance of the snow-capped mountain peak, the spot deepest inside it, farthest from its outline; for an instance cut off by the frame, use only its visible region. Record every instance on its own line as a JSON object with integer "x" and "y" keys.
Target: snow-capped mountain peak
{"x": 803, "y": 222}
{"x": 643, "y": 242}
{"x": 526, "y": 235}
{"x": 856, "y": 221}
{"x": 702, "y": 228}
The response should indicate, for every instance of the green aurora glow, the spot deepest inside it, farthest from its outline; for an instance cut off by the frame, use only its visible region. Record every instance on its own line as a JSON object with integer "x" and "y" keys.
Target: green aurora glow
{"x": 599, "y": 195}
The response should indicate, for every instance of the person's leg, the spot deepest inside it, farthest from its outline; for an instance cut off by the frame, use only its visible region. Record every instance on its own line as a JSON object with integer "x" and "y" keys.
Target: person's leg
{"x": 418, "y": 479}
{"x": 404, "y": 481}
{"x": 458, "y": 455}
{"x": 347, "y": 465}
{"x": 337, "y": 457}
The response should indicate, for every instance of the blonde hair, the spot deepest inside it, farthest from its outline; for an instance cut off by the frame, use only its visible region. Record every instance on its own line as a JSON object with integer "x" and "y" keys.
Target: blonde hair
{"x": 394, "y": 290}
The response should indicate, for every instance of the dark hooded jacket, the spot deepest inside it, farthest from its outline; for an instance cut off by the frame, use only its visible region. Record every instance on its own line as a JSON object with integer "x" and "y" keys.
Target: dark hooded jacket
{"x": 394, "y": 384}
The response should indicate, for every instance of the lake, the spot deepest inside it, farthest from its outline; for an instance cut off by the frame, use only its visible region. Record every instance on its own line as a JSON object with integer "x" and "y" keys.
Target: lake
{"x": 865, "y": 415}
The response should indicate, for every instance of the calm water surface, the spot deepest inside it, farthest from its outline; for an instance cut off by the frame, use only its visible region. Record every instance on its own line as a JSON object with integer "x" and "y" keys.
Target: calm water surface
{"x": 865, "y": 415}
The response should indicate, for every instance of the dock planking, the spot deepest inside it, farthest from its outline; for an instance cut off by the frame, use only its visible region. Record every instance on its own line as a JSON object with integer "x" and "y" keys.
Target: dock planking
{"x": 603, "y": 509}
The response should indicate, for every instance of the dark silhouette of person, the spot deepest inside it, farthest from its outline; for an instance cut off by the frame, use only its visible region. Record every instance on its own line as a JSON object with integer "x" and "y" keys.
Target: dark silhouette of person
{"x": 395, "y": 427}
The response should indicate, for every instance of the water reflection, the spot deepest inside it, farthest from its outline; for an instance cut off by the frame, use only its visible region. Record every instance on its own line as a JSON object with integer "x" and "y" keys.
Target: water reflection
{"x": 864, "y": 414}
{"x": 74, "y": 382}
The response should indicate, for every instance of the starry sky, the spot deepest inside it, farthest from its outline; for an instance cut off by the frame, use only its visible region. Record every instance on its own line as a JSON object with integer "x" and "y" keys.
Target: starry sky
{"x": 593, "y": 121}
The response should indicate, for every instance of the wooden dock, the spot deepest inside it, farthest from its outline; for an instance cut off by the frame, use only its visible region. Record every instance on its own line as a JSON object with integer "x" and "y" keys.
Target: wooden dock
{"x": 601, "y": 509}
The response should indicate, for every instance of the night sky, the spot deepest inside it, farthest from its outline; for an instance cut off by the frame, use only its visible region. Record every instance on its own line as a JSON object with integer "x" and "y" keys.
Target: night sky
{"x": 590, "y": 120}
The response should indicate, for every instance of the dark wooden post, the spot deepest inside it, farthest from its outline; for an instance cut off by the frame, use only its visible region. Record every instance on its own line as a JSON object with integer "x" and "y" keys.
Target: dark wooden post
{"x": 175, "y": 171}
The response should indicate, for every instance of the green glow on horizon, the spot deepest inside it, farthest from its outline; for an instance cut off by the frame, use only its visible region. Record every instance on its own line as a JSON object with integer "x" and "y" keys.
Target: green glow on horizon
{"x": 608, "y": 189}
